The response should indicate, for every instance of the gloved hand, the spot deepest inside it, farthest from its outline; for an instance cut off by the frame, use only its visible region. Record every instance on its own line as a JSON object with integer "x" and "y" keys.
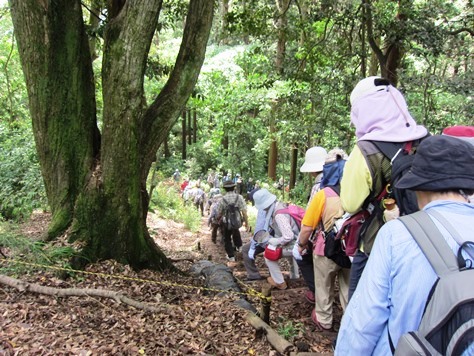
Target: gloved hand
{"x": 252, "y": 253}
{"x": 296, "y": 253}
{"x": 274, "y": 241}
{"x": 391, "y": 214}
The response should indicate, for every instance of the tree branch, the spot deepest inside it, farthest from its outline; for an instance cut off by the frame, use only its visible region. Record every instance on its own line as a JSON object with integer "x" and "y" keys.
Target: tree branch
{"x": 23, "y": 286}
{"x": 367, "y": 15}
{"x": 463, "y": 29}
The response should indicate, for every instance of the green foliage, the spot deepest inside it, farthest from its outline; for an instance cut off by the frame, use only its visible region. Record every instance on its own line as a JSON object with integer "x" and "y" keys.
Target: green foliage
{"x": 21, "y": 186}
{"x": 30, "y": 251}
{"x": 168, "y": 204}
{"x": 289, "y": 329}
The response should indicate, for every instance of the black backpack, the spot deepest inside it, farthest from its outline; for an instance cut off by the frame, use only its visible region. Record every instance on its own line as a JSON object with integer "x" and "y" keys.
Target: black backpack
{"x": 401, "y": 156}
{"x": 388, "y": 162}
{"x": 232, "y": 216}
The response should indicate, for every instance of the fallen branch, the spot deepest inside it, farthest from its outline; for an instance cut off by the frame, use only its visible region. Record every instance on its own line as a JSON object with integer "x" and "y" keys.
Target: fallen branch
{"x": 23, "y": 286}
{"x": 278, "y": 342}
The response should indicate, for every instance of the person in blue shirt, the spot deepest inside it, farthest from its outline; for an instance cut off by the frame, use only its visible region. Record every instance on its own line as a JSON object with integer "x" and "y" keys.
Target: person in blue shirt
{"x": 393, "y": 290}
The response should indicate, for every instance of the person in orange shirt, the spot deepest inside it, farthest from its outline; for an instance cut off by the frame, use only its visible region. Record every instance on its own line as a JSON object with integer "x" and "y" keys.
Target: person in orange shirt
{"x": 325, "y": 208}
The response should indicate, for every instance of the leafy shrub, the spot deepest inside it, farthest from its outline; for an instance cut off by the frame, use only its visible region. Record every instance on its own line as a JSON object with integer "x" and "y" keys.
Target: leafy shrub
{"x": 289, "y": 329}
{"x": 168, "y": 204}
{"x": 30, "y": 252}
{"x": 21, "y": 185}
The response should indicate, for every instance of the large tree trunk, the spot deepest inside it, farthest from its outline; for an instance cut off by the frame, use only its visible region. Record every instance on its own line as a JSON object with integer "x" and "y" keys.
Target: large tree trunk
{"x": 107, "y": 197}
{"x": 54, "y": 52}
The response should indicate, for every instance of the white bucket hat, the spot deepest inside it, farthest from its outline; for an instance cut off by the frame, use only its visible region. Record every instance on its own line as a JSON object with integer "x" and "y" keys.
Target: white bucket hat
{"x": 263, "y": 198}
{"x": 314, "y": 160}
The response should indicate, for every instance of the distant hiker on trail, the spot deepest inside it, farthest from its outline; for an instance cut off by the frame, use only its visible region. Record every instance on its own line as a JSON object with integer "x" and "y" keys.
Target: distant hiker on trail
{"x": 212, "y": 193}
{"x": 313, "y": 164}
{"x": 324, "y": 209}
{"x": 199, "y": 198}
{"x": 391, "y": 295}
{"x": 233, "y": 214}
{"x": 239, "y": 184}
{"x": 380, "y": 114}
{"x": 250, "y": 193}
{"x": 213, "y": 220}
{"x": 184, "y": 184}
{"x": 210, "y": 179}
{"x": 283, "y": 230}
{"x": 176, "y": 176}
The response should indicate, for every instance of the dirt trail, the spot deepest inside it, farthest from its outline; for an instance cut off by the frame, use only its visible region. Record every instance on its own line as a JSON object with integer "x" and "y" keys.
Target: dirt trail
{"x": 289, "y": 307}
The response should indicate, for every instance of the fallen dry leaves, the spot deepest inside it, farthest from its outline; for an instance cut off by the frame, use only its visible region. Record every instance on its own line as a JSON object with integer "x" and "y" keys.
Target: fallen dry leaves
{"x": 191, "y": 320}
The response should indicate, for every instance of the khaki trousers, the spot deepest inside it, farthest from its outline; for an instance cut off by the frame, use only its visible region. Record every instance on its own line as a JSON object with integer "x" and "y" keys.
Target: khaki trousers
{"x": 325, "y": 273}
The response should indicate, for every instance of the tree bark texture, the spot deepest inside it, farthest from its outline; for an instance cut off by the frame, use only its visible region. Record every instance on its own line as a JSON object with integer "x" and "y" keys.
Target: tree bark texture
{"x": 99, "y": 182}
{"x": 54, "y": 52}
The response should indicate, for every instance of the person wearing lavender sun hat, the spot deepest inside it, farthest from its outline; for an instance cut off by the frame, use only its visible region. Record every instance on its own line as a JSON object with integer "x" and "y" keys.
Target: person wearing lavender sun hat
{"x": 379, "y": 112}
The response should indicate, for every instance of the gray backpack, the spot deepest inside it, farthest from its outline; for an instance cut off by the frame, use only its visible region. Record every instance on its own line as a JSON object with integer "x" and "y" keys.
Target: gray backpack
{"x": 447, "y": 325}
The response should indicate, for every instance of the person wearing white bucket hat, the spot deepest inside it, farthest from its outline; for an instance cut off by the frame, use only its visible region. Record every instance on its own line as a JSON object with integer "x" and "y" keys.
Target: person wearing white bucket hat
{"x": 313, "y": 164}
{"x": 281, "y": 226}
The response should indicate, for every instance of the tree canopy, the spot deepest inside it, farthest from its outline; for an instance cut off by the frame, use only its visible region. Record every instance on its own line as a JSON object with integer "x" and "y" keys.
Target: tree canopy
{"x": 112, "y": 86}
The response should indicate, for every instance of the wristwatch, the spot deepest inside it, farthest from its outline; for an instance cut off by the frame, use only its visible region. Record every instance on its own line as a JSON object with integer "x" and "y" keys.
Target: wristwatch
{"x": 300, "y": 245}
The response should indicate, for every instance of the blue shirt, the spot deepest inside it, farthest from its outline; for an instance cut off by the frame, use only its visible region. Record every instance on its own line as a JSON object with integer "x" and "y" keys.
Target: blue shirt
{"x": 395, "y": 284}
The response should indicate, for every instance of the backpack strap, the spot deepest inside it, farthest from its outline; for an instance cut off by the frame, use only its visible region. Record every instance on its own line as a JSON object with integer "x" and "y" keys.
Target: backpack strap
{"x": 431, "y": 241}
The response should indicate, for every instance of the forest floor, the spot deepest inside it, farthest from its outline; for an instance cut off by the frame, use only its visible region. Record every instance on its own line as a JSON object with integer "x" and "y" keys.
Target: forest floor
{"x": 190, "y": 320}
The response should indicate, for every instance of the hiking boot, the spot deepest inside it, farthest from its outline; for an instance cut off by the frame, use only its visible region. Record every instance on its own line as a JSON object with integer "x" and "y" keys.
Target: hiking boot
{"x": 309, "y": 296}
{"x": 238, "y": 249}
{"x": 319, "y": 326}
{"x": 277, "y": 285}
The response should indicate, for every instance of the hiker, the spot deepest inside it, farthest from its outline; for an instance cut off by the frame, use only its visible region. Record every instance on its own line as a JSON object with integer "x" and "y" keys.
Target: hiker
{"x": 396, "y": 283}
{"x": 212, "y": 193}
{"x": 379, "y": 113}
{"x": 213, "y": 220}
{"x": 210, "y": 178}
{"x": 313, "y": 164}
{"x": 176, "y": 176}
{"x": 238, "y": 184}
{"x": 217, "y": 181}
{"x": 250, "y": 193}
{"x": 232, "y": 235}
{"x": 199, "y": 198}
{"x": 283, "y": 229}
{"x": 324, "y": 209}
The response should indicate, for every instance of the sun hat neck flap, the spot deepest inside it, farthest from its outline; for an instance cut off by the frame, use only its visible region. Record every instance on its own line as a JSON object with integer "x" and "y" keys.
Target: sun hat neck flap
{"x": 441, "y": 163}
{"x": 263, "y": 198}
{"x": 381, "y": 113}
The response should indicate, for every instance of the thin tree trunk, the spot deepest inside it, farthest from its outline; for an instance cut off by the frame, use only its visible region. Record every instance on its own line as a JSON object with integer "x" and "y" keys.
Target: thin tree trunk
{"x": 294, "y": 162}
{"x": 183, "y": 135}
{"x": 194, "y": 125}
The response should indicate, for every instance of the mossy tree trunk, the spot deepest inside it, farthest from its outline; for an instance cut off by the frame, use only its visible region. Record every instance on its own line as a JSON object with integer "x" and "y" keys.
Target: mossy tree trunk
{"x": 97, "y": 181}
